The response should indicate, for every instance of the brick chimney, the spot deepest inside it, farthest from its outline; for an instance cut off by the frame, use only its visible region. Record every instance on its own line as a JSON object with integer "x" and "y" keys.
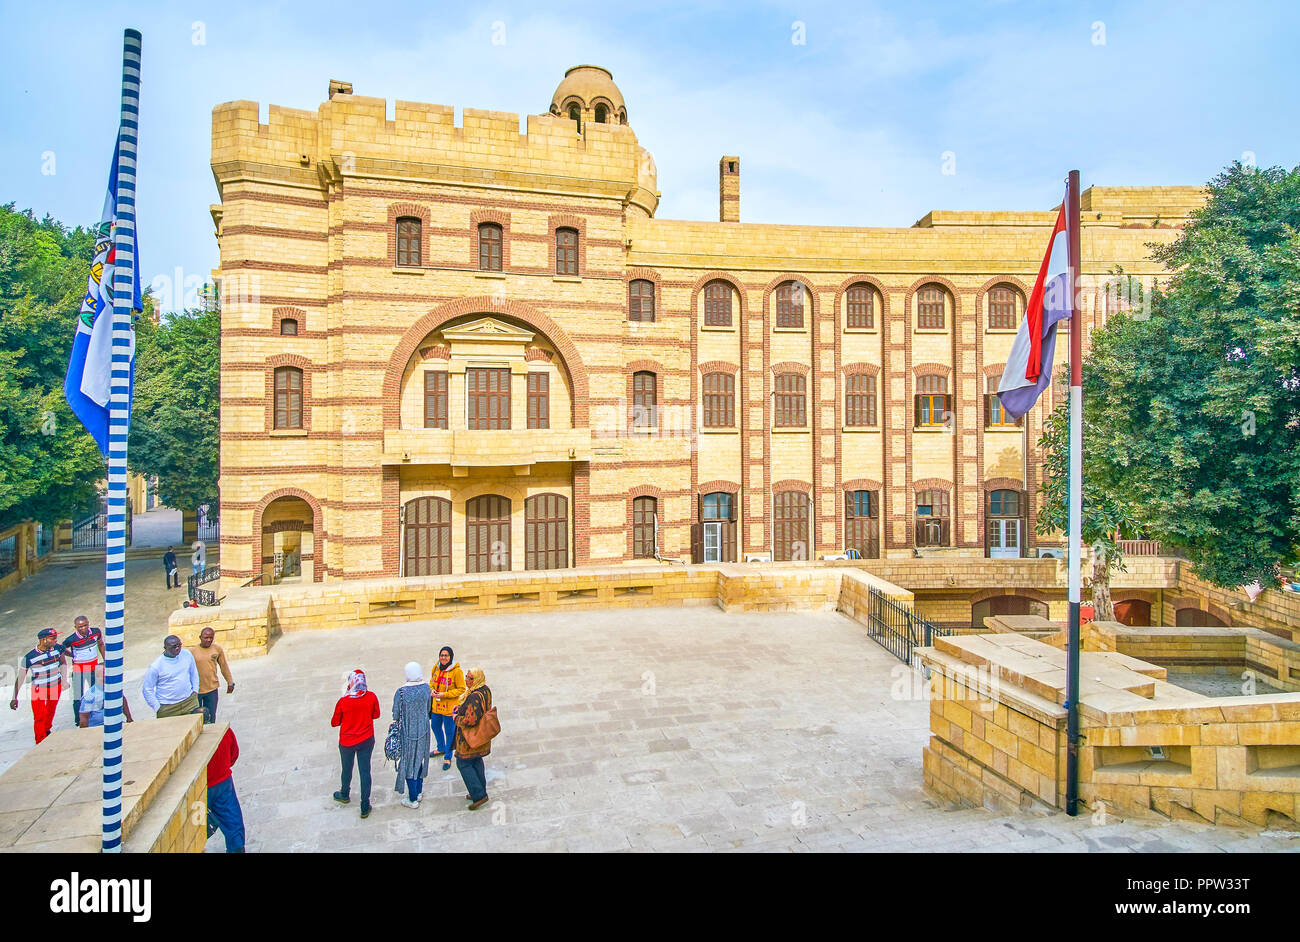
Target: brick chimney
{"x": 729, "y": 189}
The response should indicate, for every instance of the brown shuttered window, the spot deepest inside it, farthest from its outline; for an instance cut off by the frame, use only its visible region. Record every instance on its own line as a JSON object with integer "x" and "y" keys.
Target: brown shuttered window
{"x": 644, "y": 400}
{"x": 487, "y": 398}
{"x": 860, "y": 401}
{"x": 435, "y": 399}
{"x": 539, "y": 400}
{"x": 288, "y": 397}
{"x": 930, "y": 303}
{"x": 933, "y": 404}
{"x": 789, "y": 304}
{"x": 566, "y": 251}
{"x": 641, "y": 301}
{"x": 428, "y": 537}
{"x": 487, "y": 534}
{"x": 719, "y": 400}
{"x": 644, "y": 510}
{"x": 861, "y": 523}
{"x": 861, "y": 311}
{"x": 717, "y": 304}
{"x": 932, "y": 524}
{"x": 791, "y": 401}
{"x": 489, "y": 247}
{"x": 994, "y": 415}
{"x": 1003, "y": 313}
{"x": 408, "y": 242}
{"x": 546, "y": 532}
{"x": 790, "y": 513}
{"x": 289, "y": 327}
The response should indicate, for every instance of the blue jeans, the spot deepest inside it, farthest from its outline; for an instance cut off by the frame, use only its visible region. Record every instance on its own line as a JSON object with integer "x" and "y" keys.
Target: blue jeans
{"x": 413, "y": 788}
{"x": 471, "y": 770}
{"x": 224, "y": 812}
{"x": 444, "y": 733}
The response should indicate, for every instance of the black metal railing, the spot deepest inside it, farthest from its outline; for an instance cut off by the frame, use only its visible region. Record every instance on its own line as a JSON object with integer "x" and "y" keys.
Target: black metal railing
{"x": 200, "y": 595}
{"x": 89, "y": 532}
{"x": 256, "y": 580}
{"x": 209, "y": 530}
{"x": 897, "y": 628}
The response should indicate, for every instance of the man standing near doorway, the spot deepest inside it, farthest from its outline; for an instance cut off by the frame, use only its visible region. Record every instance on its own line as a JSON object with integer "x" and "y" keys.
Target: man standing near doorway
{"x": 171, "y": 683}
{"x": 85, "y": 646}
{"x": 209, "y": 656}
{"x": 169, "y": 568}
{"x": 49, "y": 673}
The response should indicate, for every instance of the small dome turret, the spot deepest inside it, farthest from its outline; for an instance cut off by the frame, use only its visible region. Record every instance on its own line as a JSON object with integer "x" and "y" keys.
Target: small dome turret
{"x": 588, "y": 93}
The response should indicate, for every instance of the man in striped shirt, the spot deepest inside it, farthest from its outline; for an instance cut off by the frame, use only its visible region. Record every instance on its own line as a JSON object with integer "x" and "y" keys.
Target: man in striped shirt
{"x": 49, "y": 670}
{"x": 85, "y": 646}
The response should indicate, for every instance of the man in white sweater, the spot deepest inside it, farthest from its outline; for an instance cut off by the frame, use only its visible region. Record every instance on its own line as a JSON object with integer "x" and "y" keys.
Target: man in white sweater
{"x": 171, "y": 683}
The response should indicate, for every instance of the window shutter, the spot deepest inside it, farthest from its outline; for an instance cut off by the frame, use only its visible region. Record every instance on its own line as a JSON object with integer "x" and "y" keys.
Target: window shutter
{"x": 697, "y": 542}
{"x": 916, "y": 411}
{"x": 988, "y": 409}
{"x": 947, "y": 408}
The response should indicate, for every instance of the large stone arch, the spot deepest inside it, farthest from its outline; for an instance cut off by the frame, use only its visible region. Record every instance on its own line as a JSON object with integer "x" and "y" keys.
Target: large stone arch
{"x": 317, "y": 523}
{"x": 484, "y": 304}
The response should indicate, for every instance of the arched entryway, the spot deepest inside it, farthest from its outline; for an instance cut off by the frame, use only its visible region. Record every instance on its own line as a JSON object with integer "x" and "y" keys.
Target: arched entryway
{"x": 1197, "y": 618}
{"x": 546, "y": 532}
{"x": 1133, "y": 612}
{"x": 1005, "y": 605}
{"x": 288, "y": 542}
{"x": 427, "y": 544}
{"x": 487, "y": 534}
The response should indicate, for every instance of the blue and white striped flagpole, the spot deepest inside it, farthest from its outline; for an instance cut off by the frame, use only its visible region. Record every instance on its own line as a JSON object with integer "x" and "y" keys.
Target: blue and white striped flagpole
{"x": 118, "y": 423}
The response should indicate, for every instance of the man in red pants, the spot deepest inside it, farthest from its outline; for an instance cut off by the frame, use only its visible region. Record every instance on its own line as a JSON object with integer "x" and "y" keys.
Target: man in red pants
{"x": 49, "y": 670}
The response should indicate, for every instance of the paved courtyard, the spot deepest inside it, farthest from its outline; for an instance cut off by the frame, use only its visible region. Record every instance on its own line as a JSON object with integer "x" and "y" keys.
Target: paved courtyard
{"x": 652, "y": 729}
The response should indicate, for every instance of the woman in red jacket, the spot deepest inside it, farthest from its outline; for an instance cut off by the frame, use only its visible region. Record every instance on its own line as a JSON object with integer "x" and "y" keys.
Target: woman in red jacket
{"x": 355, "y": 716}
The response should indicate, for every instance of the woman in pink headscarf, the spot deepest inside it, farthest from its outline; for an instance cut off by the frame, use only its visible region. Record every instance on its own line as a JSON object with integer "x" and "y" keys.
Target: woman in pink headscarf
{"x": 355, "y": 716}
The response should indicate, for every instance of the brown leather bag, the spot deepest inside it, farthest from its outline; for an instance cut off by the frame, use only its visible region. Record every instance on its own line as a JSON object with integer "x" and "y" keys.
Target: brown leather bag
{"x": 484, "y": 731}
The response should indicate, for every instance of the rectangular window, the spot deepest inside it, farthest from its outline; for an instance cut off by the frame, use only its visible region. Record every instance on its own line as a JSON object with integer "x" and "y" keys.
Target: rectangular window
{"x": 719, "y": 400}
{"x": 408, "y": 242}
{"x": 1002, "y": 309}
{"x": 994, "y": 415}
{"x": 487, "y": 398}
{"x": 288, "y": 397}
{"x": 641, "y": 301}
{"x": 539, "y": 400}
{"x": 644, "y": 400}
{"x": 644, "y": 511}
{"x": 435, "y": 399}
{"x": 790, "y": 401}
{"x": 489, "y": 247}
{"x": 566, "y": 251}
{"x": 860, "y": 401}
{"x": 933, "y": 404}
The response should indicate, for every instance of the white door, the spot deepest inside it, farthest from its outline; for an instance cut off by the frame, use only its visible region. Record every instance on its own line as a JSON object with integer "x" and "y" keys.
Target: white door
{"x": 712, "y": 542}
{"x": 1004, "y": 539}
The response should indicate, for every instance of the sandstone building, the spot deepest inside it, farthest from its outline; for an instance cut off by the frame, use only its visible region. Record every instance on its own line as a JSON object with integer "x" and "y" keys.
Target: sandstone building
{"x": 466, "y": 348}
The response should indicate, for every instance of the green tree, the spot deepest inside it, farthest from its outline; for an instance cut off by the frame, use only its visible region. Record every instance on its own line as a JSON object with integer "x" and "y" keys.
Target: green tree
{"x": 1192, "y": 405}
{"x": 175, "y": 418}
{"x": 49, "y": 464}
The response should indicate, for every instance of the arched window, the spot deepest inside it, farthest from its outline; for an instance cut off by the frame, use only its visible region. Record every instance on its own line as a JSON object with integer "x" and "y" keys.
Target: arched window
{"x": 644, "y": 399}
{"x": 932, "y": 308}
{"x": 861, "y": 308}
{"x": 288, "y": 327}
{"x": 717, "y": 304}
{"x": 932, "y": 523}
{"x": 408, "y": 242}
{"x": 602, "y": 114}
{"x": 1004, "y": 524}
{"x": 288, "y": 397}
{"x": 1005, "y": 307}
{"x": 487, "y": 534}
{"x": 789, "y": 304}
{"x": 575, "y": 114}
{"x": 713, "y": 537}
{"x": 641, "y": 301}
{"x": 719, "y": 400}
{"x": 645, "y": 511}
{"x": 862, "y": 523}
{"x": 791, "y": 400}
{"x": 427, "y": 523}
{"x": 933, "y": 404}
{"x": 860, "y": 401}
{"x": 489, "y": 247}
{"x": 994, "y": 415}
{"x": 566, "y": 251}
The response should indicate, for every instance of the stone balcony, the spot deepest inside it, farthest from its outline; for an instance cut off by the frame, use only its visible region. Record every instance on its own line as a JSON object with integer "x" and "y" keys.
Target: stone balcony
{"x": 463, "y": 449}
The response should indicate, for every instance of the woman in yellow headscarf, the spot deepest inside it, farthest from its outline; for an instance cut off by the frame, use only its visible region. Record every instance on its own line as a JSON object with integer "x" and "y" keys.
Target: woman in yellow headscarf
{"x": 469, "y": 759}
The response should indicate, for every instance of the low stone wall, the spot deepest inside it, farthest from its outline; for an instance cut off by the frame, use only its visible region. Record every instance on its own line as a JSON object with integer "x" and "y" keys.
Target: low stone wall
{"x": 248, "y": 621}
{"x": 998, "y": 736}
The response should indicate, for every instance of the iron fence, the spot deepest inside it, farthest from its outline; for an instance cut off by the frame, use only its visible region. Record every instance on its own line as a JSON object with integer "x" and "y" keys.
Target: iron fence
{"x": 897, "y": 628}
{"x": 194, "y": 586}
{"x": 209, "y": 529}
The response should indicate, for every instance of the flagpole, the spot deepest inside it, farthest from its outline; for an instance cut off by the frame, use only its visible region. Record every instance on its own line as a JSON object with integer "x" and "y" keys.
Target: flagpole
{"x": 1076, "y": 498}
{"x": 118, "y": 424}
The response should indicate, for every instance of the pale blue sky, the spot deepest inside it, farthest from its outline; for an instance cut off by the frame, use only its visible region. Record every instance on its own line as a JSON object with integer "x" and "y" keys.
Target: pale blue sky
{"x": 849, "y": 128}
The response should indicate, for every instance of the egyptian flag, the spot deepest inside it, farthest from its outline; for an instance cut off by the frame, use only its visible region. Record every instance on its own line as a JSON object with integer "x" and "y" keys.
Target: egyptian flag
{"x": 1029, "y": 367}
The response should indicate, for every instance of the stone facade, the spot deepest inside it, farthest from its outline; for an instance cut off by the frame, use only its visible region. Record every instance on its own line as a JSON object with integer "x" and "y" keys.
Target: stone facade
{"x": 366, "y": 247}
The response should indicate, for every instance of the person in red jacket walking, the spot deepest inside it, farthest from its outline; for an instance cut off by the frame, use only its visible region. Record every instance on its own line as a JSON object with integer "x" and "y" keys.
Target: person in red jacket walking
{"x": 223, "y": 805}
{"x": 355, "y": 716}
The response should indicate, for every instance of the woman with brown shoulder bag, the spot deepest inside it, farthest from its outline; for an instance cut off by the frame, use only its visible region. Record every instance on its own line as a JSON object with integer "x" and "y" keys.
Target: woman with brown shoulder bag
{"x": 476, "y": 725}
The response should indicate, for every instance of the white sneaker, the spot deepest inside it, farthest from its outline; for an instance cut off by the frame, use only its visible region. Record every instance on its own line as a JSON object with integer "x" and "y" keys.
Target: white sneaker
{"x": 407, "y": 803}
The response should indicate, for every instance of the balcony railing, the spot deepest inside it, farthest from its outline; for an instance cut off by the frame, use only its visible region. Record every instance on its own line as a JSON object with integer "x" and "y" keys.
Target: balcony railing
{"x": 1140, "y": 547}
{"x": 475, "y": 448}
